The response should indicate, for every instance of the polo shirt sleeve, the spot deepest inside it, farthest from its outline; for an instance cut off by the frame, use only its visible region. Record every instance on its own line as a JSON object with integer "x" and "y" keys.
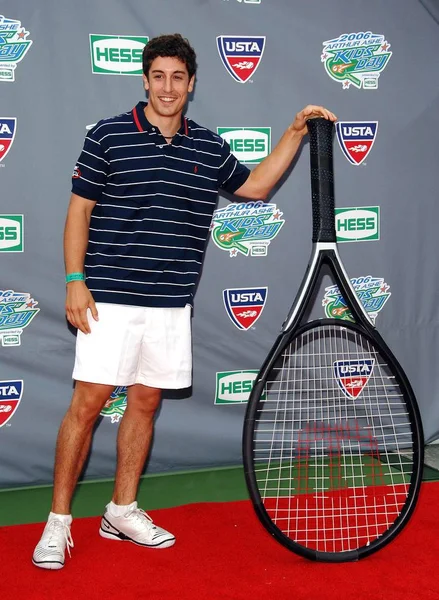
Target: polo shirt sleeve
{"x": 91, "y": 170}
{"x": 231, "y": 174}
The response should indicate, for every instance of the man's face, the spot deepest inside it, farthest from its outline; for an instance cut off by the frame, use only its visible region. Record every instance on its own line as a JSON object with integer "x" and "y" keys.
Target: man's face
{"x": 168, "y": 85}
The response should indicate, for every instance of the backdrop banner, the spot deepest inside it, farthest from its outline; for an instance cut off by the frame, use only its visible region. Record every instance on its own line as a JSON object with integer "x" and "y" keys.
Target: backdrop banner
{"x": 65, "y": 65}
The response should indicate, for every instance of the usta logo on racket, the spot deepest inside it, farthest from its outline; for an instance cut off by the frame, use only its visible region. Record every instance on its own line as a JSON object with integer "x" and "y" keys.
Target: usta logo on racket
{"x": 353, "y": 375}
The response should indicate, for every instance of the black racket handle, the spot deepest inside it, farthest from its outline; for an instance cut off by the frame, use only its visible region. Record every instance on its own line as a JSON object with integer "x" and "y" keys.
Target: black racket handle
{"x": 322, "y": 179}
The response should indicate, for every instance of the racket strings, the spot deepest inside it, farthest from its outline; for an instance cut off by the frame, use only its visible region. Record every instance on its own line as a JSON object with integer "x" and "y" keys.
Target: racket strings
{"x": 332, "y": 442}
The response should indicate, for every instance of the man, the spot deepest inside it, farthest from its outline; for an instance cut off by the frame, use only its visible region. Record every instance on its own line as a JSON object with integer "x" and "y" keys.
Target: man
{"x": 144, "y": 191}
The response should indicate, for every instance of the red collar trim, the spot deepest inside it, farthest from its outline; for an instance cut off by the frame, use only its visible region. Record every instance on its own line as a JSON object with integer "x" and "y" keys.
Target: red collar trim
{"x": 136, "y": 120}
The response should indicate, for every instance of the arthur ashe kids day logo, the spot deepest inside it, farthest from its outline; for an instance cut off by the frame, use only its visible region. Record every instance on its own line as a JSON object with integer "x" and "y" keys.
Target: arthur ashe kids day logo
{"x": 373, "y": 292}
{"x": 10, "y": 396}
{"x": 356, "y": 139}
{"x": 13, "y": 47}
{"x": 117, "y": 54}
{"x": 241, "y": 54}
{"x": 17, "y": 310}
{"x": 116, "y": 404}
{"x": 356, "y": 58}
{"x": 246, "y": 228}
{"x": 8, "y": 127}
{"x": 245, "y": 305}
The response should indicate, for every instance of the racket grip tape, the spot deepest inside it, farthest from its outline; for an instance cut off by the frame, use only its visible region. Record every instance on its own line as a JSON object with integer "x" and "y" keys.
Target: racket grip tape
{"x": 322, "y": 179}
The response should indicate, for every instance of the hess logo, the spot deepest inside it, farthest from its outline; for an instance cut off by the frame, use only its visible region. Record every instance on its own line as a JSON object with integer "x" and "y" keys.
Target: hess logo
{"x": 11, "y": 233}
{"x": 249, "y": 144}
{"x": 357, "y": 224}
{"x": 117, "y": 55}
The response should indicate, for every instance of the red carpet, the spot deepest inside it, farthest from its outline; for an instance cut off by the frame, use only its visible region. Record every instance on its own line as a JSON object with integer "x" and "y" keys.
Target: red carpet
{"x": 222, "y": 552}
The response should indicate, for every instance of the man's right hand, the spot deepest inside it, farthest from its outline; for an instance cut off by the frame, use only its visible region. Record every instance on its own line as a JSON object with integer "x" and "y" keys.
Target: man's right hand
{"x": 78, "y": 300}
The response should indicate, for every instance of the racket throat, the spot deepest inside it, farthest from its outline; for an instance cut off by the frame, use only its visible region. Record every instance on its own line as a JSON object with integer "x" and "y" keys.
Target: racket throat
{"x": 324, "y": 253}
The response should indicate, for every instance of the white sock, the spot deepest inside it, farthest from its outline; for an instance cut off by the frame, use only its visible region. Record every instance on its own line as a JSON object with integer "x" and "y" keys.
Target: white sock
{"x": 67, "y": 519}
{"x": 118, "y": 510}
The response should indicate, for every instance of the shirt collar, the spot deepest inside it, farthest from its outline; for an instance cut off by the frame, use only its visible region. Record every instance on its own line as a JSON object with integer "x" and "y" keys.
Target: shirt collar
{"x": 143, "y": 124}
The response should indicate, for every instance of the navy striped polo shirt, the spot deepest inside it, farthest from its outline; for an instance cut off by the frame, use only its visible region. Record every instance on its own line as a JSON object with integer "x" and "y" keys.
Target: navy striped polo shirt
{"x": 154, "y": 205}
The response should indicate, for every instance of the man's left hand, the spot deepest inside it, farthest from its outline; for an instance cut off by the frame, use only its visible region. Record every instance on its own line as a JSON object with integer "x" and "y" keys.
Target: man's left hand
{"x": 310, "y": 112}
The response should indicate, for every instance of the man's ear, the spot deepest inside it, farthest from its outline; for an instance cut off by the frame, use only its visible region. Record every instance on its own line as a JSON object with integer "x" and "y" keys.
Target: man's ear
{"x": 145, "y": 82}
{"x": 191, "y": 84}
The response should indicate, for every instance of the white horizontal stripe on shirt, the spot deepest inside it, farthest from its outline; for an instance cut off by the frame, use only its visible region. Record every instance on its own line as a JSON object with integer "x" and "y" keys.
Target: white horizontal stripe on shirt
{"x": 183, "y": 235}
{"x": 141, "y": 282}
{"x": 139, "y": 294}
{"x": 82, "y": 178}
{"x": 130, "y": 146}
{"x": 146, "y": 245}
{"x": 154, "y": 259}
{"x": 114, "y": 123}
{"x": 88, "y": 167}
{"x": 142, "y": 270}
{"x": 192, "y": 187}
{"x": 161, "y": 194}
{"x": 192, "y": 212}
{"x": 158, "y": 168}
{"x": 147, "y": 219}
{"x": 98, "y": 157}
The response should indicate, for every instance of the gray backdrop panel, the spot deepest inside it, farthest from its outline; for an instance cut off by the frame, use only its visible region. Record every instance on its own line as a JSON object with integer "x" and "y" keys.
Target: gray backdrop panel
{"x": 55, "y": 95}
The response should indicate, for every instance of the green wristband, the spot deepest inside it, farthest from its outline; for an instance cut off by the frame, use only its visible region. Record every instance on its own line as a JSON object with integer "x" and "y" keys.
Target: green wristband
{"x": 75, "y": 277}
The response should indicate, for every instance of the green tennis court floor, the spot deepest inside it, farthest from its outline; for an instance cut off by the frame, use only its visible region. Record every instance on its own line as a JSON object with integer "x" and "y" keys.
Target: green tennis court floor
{"x": 32, "y": 504}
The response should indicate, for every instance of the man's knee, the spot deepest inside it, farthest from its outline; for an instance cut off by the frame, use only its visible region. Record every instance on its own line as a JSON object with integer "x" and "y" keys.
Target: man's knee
{"x": 88, "y": 400}
{"x": 143, "y": 400}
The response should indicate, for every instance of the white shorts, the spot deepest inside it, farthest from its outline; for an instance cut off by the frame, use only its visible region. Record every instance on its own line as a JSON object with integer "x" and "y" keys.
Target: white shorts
{"x": 134, "y": 344}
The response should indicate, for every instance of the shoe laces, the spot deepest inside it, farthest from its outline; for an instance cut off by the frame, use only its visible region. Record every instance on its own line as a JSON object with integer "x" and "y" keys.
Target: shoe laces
{"x": 140, "y": 515}
{"x": 57, "y": 527}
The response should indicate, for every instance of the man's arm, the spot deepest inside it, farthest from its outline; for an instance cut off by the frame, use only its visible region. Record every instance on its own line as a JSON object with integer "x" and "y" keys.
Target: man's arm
{"x": 76, "y": 233}
{"x": 265, "y": 176}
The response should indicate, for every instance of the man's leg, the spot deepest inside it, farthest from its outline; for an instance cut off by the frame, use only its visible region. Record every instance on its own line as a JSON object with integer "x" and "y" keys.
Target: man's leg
{"x": 134, "y": 440}
{"x": 122, "y": 519}
{"x": 74, "y": 439}
{"x": 72, "y": 447}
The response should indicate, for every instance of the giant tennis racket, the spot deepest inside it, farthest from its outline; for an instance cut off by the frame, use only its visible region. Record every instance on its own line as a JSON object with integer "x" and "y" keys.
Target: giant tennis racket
{"x": 333, "y": 443}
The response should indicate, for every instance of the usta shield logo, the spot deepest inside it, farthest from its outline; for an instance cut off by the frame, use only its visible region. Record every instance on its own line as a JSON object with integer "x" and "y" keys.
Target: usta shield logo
{"x": 353, "y": 375}
{"x": 10, "y": 396}
{"x": 8, "y": 127}
{"x": 245, "y": 305}
{"x": 356, "y": 139}
{"x": 241, "y": 54}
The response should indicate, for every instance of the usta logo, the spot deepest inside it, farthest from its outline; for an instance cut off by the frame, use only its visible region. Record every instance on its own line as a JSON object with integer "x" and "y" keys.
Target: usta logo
{"x": 356, "y": 131}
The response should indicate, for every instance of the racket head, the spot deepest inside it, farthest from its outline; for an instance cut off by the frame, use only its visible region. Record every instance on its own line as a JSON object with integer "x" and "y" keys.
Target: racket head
{"x": 332, "y": 444}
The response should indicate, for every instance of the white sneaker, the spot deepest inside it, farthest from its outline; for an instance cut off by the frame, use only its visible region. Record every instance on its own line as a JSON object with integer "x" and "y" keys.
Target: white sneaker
{"x": 135, "y": 526}
{"x": 50, "y": 550}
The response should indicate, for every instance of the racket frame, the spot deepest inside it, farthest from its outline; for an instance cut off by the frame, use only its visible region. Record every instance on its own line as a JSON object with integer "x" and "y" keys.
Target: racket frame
{"x": 325, "y": 253}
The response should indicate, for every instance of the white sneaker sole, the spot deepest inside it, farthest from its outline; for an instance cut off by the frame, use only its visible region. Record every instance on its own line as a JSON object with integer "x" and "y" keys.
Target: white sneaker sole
{"x": 52, "y": 566}
{"x": 122, "y": 537}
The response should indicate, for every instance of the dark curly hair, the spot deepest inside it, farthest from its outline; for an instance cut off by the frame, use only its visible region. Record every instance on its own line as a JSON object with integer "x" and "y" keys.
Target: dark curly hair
{"x": 173, "y": 45}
